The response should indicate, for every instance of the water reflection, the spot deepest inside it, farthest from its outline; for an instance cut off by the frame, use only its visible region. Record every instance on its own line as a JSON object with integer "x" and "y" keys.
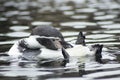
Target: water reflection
{"x": 37, "y": 23}
{"x": 19, "y": 28}
{"x": 99, "y": 36}
{"x": 29, "y": 72}
{"x": 112, "y": 26}
{"x": 78, "y": 24}
{"x": 106, "y": 17}
{"x": 98, "y": 19}
{"x": 18, "y": 34}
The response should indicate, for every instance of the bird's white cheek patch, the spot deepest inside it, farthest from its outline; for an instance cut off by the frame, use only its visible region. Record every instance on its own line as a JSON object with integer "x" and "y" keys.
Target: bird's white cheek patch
{"x": 57, "y": 44}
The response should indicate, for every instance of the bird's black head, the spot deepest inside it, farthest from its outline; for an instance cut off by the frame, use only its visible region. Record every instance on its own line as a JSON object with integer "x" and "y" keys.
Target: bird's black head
{"x": 49, "y": 42}
{"x": 49, "y": 31}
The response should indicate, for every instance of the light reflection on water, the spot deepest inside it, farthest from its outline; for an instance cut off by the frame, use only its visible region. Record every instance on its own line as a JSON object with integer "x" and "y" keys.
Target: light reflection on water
{"x": 98, "y": 19}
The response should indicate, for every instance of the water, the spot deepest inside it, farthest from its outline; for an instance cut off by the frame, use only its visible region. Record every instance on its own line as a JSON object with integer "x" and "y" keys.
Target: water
{"x": 98, "y": 19}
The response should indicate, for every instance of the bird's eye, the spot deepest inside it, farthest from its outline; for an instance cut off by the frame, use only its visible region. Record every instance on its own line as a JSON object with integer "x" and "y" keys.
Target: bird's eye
{"x": 53, "y": 39}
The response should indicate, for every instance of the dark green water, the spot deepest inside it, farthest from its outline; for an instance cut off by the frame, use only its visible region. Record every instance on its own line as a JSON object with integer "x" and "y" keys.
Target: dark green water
{"x": 98, "y": 19}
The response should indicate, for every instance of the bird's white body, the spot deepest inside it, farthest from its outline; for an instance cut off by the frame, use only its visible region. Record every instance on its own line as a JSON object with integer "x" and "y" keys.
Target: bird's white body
{"x": 80, "y": 54}
{"x": 50, "y": 54}
{"x": 79, "y": 50}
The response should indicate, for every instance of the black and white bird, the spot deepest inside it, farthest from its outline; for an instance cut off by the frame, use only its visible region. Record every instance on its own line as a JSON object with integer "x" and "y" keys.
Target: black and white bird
{"x": 49, "y": 50}
{"x": 46, "y": 45}
{"x": 39, "y": 48}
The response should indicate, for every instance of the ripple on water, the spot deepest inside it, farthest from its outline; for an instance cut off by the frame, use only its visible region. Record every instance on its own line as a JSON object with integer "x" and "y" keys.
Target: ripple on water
{"x": 100, "y": 40}
{"x": 86, "y": 10}
{"x": 99, "y": 13}
{"x": 79, "y": 27}
{"x": 76, "y": 78}
{"x": 112, "y": 26}
{"x": 7, "y": 42}
{"x": 24, "y": 13}
{"x": 28, "y": 18}
{"x": 103, "y": 67}
{"x": 78, "y": 24}
{"x": 68, "y": 12}
{"x": 105, "y": 22}
{"x": 19, "y": 28}
{"x": 37, "y": 23}
{"x": 11, "y": 13}
{"x": 99, "y": 36}
{"x": 103, "y": 74}
{"x": 3, "y": 19}
{"x": 68, "y": 33}
{"x": 17, "y": 34}
{"x": 114, "y": 6}
{"x": 112, "y": 31}
{"x": 79, "y": 17}
{"x": 105, "y": 17}
{"x": 64, "y": 8}
{"x": 72, "y": 40}
{"x": 27, "y": 73}
{"x": 9, "y": 3}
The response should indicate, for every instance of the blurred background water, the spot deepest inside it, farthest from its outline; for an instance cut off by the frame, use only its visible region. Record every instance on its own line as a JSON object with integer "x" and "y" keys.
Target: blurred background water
{"x": 98, "y": 19}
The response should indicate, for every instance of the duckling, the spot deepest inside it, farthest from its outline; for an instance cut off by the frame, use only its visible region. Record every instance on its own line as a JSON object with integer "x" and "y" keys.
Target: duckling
{"x": 81, "y": 50}
{"x": 84, "y": 53}
{"x": 50, "y": 31}
{"x": 96, "y": 47}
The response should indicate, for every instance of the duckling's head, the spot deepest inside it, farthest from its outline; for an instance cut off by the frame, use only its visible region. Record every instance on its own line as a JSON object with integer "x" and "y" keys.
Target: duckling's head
{"x": 49, "y": 31}
{"x": 37, "y": 42}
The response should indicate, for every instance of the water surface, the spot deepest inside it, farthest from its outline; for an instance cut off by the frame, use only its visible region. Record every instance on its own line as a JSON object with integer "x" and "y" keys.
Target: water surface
{"x": 98, "y": 19}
